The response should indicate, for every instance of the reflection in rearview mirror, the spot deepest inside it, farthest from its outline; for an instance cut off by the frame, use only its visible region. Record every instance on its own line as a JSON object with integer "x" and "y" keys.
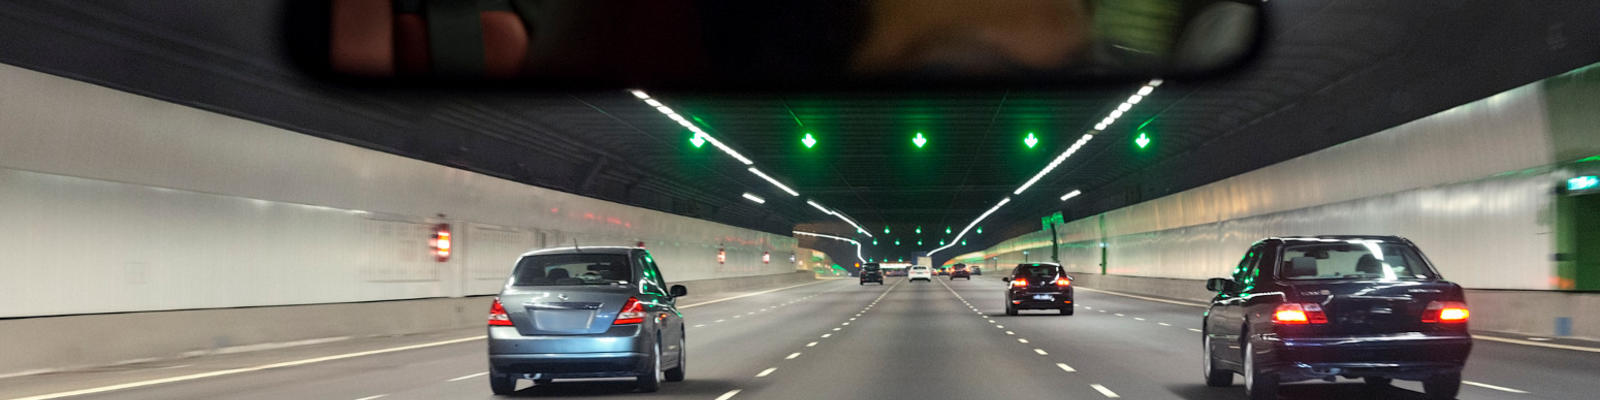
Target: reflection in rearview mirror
{"x": 811, "y": 43}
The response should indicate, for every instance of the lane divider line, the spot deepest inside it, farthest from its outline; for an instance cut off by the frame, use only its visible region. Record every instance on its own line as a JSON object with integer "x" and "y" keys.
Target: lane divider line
{"x": 1500, "y": 388}
{"x": 766, "y": 372}
{"x": 812, "y": 344}
{"x": 466, "y": 377}
{"x": 1103, "y": 391}
{"x": 190, "y": 377}
{"x": 728, "y": 395}
{"x": 792, "y": 356}
{"x": 1537, "y": 344}
{"x": 1158, "y": 300}
{"x": 1041, "y": 352}
{"x": 372, "y": 397}
{"x": 1065, "y": 367}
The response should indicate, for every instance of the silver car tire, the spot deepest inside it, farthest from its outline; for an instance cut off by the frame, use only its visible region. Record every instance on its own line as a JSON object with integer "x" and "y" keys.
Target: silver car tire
{"x": 650, "y": 382}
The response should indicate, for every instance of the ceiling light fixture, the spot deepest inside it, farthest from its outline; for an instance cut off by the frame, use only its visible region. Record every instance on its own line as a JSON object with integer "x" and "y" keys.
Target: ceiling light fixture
{"x": 1104, "y": 123}
{"x": 1071, "y": 194}
{"x": 755, "y": 198}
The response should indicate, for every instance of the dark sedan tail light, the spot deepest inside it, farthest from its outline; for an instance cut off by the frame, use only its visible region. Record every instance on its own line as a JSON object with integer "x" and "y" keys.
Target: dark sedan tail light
{"x": 497, "y": 314}
{"x": 1446, "y": 312}
{"x": 1019, "y": 282}
{"x": 1299, "y": 314}
{"x": 1063, "y": 282}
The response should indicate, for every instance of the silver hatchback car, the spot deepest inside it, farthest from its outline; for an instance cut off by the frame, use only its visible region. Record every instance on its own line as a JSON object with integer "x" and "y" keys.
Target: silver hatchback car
{"x": 586, "y": 312}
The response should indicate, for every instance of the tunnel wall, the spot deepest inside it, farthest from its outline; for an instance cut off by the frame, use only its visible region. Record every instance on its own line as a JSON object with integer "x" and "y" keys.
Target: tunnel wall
{"x": 116, "y": 202}
{"x": 1472, "y": 185}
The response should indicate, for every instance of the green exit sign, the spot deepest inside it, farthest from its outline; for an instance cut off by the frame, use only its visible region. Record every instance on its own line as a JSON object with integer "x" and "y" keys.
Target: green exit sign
{"x": 1583, "y": 183}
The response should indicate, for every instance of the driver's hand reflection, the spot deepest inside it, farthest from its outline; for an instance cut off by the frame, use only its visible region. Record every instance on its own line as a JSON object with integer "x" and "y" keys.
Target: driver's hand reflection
{"x": 964, "y": 37}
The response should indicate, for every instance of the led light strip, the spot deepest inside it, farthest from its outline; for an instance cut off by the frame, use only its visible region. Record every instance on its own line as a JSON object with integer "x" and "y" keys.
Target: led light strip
{"x": 700, "y": 133}
{"x": 970, "y": 225}
{"x": 1127, "y": 105}
{"x": 774, "y": 182}
{"x": 1071, "y": 194}
{"x": 852, "y": 241}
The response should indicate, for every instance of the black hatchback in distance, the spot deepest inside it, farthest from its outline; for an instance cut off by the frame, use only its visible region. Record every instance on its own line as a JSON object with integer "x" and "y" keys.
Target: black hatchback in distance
{"x": 1038, "y": 286}
{"x": 870, "y": 272}
{"x": 1303, "y": 308}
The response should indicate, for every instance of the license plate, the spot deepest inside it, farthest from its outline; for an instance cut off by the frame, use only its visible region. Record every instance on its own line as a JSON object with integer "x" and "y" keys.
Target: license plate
{"x": 1042, "y": 297}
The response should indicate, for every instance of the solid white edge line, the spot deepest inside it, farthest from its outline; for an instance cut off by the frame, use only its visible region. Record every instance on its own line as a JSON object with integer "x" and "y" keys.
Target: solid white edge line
{"x": 190, "y": 377}
{"x": 466, "y": 377}
{"x": 728, "y": 395}
{"x": 766, "y": 372}
{"x": 1103, "y": 391}
{"x": 751, "y": 294}
{"x": 1500, "y": 388}
{"x": 1537, "y": 344}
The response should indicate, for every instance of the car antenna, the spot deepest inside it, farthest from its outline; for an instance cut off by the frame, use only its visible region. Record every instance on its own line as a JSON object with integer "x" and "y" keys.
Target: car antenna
{"x": 575, "y": 245}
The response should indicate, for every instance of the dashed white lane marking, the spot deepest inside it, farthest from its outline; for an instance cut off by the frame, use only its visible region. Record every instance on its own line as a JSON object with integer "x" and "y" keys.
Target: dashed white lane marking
{"x": 1138, "y": 319}
{"x": 1102, "y": 311}
{"x": 1163, "y": 324}
{"x": 1000, "y": 326}
{"x": 1500, "y": 388}
{"x": 1193, "y": 330}
{"x": 1065, "y": 367}
{"x": 1021, "y": 340}
{"x": 836, "y": 329}
{"x": 852, "y": 318}
{"x": 766, "y": 372}
{"x": 737, "y": 316}
{"x": 1010, "y": 333}
{"x": 234, "y": 371}
{"x": 826, "y": 335}
{"x": 1041, "y": 352}
{"x": 1103, "y": 391}
{"x": 699, "y": 325}
{"x": 845, "y": 324}
{"x": 812, "y": 344}
{"x": 718, "y": 321}
{"x": 1120, "y": 315}
{"x": 728, "y": 395}
{"x": 466, "y": 377}
{"x": 1088, "y": 308}
{"x": 792, "y": 356}
{"x": 1539, "y": 339}
{"x": 372, "y": 397}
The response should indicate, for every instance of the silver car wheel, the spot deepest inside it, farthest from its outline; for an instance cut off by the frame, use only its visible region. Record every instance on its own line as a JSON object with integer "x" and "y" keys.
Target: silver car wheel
{"x": 1249, "y": 366}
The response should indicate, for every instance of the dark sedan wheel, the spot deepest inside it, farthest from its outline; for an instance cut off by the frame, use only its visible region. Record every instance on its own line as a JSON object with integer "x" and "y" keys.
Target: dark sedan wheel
{"x": 1215, "y": 377}
{"x": 501, "y": 384}
{"x": 1066, "y": 310}
{"x": 1257, "y": 385}
{"x": 1442, "y": 386}
{"x": 1010, "y": 309}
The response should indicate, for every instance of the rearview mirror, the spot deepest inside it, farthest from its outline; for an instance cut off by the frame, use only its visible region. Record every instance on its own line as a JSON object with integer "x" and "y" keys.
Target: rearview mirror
{"x": 740, "y": 44}
{"x": 1007, "y": 279}
{"x": 1219, "y": 284}
{"x": 678, "y": 291}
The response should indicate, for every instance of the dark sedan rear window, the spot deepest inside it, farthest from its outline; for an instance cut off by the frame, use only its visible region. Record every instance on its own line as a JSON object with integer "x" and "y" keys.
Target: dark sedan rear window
{"x": 573, "y": 269}
{"x": 1353, "y": 259}
{"x": 870, "y": 267}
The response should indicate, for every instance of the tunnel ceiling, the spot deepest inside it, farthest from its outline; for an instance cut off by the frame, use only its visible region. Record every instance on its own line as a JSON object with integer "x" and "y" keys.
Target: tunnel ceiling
{"x": 1330, "y": 71}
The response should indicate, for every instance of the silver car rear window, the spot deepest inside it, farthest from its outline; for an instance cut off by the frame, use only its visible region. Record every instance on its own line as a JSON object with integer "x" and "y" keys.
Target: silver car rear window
{"x": 573, "y": 270}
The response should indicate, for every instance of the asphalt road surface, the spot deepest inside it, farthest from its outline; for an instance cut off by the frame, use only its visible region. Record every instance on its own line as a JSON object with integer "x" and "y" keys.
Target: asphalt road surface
{"x": 829, "y": 340}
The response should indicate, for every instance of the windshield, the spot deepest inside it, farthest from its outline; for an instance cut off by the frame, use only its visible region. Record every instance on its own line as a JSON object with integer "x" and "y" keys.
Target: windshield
{"x": 1352, "y": 260}
{"x": 573, "y": 270}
